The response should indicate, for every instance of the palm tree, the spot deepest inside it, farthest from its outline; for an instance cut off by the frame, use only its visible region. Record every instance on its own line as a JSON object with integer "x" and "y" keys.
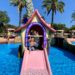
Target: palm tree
{"x": 20, "y": 4}
{"x": 29, "y": 7}
{"x": 53, "y": 6}
{"x": 73, "y": 16}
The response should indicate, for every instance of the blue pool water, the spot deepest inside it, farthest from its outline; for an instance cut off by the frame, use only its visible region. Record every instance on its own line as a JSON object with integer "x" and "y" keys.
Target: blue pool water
{"x": 10, "y": 64}
{"x": 62, "y": 62}
{"x": 73, "y": 43}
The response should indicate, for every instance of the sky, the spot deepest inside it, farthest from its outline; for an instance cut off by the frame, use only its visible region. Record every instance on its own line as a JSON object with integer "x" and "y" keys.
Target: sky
{"x": 64, "y": 18}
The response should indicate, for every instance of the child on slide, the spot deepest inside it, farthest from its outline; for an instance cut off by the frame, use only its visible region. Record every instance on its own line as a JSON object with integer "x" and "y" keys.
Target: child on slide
{"x": 36, "y": 39}
{"x": 32, "y": 44}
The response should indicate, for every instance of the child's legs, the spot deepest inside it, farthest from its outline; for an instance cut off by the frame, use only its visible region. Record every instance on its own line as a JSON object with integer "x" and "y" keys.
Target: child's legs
{"x": 31, "y": 48}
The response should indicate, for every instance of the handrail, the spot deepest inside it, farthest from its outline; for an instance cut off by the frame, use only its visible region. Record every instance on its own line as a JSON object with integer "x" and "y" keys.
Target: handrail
{"x": 35, "y": 36}
{"x": 47, "y": 62}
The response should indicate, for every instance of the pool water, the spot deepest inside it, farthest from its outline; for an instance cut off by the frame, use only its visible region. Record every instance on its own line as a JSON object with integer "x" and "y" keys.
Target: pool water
{"x": 10, "y": 64}
{"x": 73, "y": 43}
{"x": 62, "y": 62}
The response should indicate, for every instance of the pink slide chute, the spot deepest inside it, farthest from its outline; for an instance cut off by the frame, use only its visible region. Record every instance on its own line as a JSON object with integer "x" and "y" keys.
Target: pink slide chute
{"x": 35, "y": 63}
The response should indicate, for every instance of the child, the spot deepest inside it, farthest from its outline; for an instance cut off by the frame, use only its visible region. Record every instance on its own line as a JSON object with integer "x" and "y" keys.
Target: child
{"x": 32, "y": 44}
{"x": 36, "y": 39}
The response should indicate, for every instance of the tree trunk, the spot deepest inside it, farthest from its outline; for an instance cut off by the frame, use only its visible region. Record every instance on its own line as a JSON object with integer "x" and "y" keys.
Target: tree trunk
{"x": 20, "y": 49}
{"x": 20, "y": 13}
{"x": 52, "y": 19}
{"x": 30, "y": 7}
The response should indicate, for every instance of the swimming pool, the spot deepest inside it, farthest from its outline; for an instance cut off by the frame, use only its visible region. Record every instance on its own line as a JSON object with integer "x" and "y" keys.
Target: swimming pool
{"x": 62, "y": 62}
{"x": 73, "y": 43}
{"x": 10, "y": 64}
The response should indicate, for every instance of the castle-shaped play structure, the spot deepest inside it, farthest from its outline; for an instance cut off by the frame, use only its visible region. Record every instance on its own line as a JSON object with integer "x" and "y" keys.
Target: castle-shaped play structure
{"x": 35, "y": 59}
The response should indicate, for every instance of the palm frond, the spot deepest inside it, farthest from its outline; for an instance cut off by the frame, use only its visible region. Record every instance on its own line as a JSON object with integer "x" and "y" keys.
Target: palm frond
{"x": 54, "y": 6}
{"x": 47, "y": 5}
{"x": 14, "y": 2}
{"x": 60, "y": 6}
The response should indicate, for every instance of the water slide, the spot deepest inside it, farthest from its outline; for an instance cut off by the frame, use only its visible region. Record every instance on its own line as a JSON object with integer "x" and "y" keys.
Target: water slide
{"x": 35, "y": 63}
